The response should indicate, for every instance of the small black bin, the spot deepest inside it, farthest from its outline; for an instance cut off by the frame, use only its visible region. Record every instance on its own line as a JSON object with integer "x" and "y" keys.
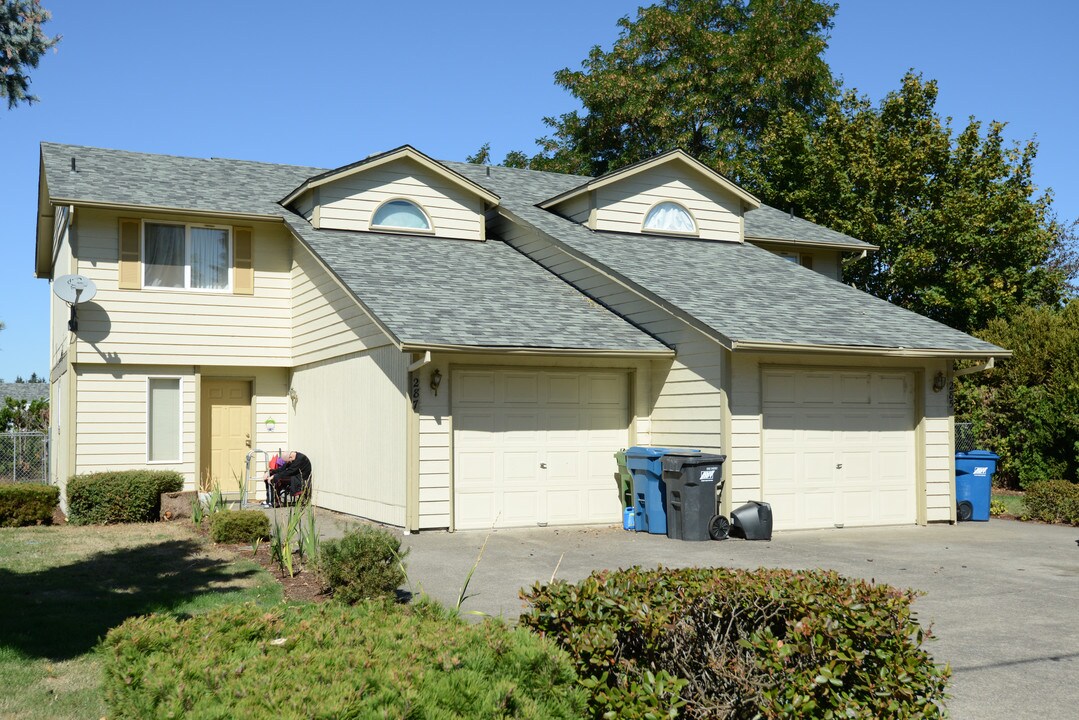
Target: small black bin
{"x": 752, "y": 521}
{"x": 694, "y": 482}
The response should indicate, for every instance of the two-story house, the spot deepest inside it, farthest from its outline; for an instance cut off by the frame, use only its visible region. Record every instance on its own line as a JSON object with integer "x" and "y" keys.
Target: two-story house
{"x": 457, "y": 345}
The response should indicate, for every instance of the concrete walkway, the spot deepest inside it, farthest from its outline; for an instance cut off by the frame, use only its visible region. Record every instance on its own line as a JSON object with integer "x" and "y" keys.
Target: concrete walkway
{"x": 1002, "y": 597}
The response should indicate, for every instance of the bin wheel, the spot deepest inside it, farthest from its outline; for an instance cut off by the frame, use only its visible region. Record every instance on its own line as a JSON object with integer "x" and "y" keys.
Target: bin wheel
{"x": 719, "y": 527}
{"x": 964, "y": 511}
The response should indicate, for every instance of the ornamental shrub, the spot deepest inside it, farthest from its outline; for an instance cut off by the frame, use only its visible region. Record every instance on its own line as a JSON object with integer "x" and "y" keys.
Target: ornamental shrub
{"x": 366, "y": 563}
{"x": 27, "y": 504}
{"x": 1053, "y": 501}
{"x": 239, "y": 526}
{"x": 333, "y": 661}
{"x": 119, "y": 496}
{"x": 722, "y": 643}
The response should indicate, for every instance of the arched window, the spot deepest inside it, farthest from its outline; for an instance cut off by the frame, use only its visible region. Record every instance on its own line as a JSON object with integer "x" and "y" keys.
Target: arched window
{"x": 402, "y": 215}
{"x": 670, "y": 217}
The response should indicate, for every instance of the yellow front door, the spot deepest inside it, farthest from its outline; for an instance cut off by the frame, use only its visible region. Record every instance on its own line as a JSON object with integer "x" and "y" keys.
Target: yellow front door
{"x": 226, "y": 433}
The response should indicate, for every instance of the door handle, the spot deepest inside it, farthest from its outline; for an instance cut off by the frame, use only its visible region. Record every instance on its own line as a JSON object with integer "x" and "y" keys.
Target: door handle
{"x": 839, "y": 466}
{"x": 543, "y": 466}
{"x": 247, "y": 439}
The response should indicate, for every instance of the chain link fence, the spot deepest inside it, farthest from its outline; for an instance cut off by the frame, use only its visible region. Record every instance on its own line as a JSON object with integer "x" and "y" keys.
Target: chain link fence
{"x": 964, "y": 437}
{"x": 24, "y": 457}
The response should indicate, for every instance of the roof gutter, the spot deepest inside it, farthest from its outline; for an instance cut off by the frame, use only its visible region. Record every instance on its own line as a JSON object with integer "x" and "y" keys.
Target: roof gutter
{"x": 423, "y": 347}
{"x": 751, "y": 346}
{"x": 861, "y": 247}
{"x": 989, "y": 364}
{"x": 166, "y": 209}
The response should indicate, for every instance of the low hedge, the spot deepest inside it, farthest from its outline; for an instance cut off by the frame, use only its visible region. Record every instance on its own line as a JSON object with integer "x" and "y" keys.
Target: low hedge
{"x": 27, "y": 504}
{"x": 366, "y": 563}
{"x": 119, "y": 496}
{"x": 721, "y": 643}
{"x": 1053, "y": 501}
{"x": 239, "y": 526}
{"x": 334, "y": 661}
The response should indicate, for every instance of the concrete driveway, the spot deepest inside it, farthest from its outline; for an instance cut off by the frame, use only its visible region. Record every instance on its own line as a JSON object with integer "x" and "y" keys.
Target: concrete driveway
{"x": 1002, "y": 597}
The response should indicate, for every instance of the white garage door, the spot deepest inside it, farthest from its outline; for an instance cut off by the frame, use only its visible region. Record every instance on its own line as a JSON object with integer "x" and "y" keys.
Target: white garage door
{"x": 537, "y": 446}
{"x": 839, "y": 448}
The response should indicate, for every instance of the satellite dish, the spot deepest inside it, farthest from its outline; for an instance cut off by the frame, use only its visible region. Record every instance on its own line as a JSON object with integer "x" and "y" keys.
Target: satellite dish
{"x": 74, "y": 289}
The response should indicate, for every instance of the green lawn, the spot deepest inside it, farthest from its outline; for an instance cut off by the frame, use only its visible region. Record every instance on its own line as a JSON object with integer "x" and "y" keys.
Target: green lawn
{"x": 1013, "y": 503}
{"x": 63, "y": 588}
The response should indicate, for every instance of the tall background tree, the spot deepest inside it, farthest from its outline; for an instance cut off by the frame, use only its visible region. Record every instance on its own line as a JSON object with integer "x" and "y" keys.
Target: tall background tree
{"x": 965, "y": 237}
{"x": 22, "y": 43}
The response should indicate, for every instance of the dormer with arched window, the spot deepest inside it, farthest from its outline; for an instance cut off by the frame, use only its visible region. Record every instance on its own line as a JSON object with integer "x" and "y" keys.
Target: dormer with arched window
{"x": 398, "y": 192}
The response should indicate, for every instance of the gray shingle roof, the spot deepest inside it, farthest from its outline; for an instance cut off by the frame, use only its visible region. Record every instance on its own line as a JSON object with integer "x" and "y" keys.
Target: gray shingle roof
{"x": 486, "y": 294}
{"x": 743, "y": 292}
{"x": 24, "y": 391}
{"x": 437, "y": 291}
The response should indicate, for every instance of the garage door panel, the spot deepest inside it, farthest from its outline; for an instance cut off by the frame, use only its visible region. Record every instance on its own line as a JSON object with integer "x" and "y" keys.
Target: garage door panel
{"x": 521, "y": 388}
{"x": 847, "y": 460}
{"x": 540, "y": 449}
{"x": 474, "y": 387}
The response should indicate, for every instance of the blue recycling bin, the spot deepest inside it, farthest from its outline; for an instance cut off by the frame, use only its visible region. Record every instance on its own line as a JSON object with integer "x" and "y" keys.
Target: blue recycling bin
{"x": 649, "y": 490}
{"x": 973, "y": 480}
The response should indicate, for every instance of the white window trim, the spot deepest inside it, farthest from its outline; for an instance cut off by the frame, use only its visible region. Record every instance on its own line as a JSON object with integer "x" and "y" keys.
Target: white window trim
{"x": 430, "y": 230}
{"x": 652, "y": 231}
{"x": 180, "y": 420}
{"x": 227, "y": 290}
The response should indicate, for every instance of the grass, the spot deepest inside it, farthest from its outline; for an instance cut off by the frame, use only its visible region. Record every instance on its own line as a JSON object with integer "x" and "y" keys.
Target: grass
{"x": 63, "y": 588}
{"x": 1012, "y": 502}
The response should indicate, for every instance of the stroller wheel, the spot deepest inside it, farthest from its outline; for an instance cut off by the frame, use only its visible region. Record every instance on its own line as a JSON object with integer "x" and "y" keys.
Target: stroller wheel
{"x": 719, "y": 527}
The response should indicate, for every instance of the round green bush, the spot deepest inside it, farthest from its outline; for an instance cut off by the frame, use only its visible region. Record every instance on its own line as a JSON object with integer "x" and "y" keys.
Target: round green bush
{"x": 334, "y": 661}
{"x": 119, "y": 496}
{"x": 366, "y": 563}
{"x": 721, "y": 643}
{"x": 239, "y": 526}
{"x": 27, "y": 504}
{"x": 1053, "y": 501}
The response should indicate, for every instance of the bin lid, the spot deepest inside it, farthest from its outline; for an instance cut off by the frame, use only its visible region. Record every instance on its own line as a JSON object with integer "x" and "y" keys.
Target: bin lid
{"x": 674, "y": 462}
{"x": 652, "y": 453}
{"x": 978, "y": 454}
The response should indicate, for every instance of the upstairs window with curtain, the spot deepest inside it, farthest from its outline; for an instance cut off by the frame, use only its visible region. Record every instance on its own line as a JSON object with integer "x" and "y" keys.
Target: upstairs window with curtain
{"x": 196, "y": 257}
{"x": 670, "y": 217}
{"x": 400, "y": 215}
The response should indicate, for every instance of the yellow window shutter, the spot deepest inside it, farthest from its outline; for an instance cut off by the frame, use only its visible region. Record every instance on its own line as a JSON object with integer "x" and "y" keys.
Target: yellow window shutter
{"x": 243, "y": 266}
{"x": 130, "y": 245}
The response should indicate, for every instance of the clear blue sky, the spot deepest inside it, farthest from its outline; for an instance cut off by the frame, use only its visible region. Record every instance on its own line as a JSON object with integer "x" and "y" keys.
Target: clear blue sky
{"x": 327, "y": 83}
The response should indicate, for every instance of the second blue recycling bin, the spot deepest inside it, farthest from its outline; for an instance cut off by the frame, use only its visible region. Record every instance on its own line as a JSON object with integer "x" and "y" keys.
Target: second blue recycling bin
{"x": 973, "y": 482}
{"x": 649, "y": 490}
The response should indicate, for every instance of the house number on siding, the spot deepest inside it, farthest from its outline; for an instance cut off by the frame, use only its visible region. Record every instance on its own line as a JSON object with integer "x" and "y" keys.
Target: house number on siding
{"x": 415, "y": 392}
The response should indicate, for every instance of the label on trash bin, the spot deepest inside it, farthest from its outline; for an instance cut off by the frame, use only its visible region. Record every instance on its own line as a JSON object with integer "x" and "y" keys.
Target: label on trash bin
{"x": 709, "y": 474}
{"x": 981, "y": 471}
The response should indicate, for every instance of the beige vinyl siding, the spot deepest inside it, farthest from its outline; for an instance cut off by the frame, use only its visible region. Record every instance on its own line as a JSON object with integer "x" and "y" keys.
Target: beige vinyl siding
{"x": 305, "y": 205}
{"x": 435, "y": 419}
{"x": 326, "y": 321}
{"x": 622, "y": 206}
{"x": 111, "y": 419}
{"x": 349, "y": 203}
{"x": 63, "y": 264}
{"x": 826, "y": 262}
{"x": 350, "y": 418}
{"x": 933, "y": 426}
{"x": 183, "y": 327}
{"x": 577, "y": 209}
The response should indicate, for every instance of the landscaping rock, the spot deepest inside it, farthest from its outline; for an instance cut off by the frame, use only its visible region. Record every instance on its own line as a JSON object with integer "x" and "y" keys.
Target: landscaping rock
{"x": 177, "y": 505}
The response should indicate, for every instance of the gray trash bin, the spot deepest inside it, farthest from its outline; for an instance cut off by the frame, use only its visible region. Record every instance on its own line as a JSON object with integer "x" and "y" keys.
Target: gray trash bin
{"x": 694, "y": 483}
{"x": 752, "y": 521}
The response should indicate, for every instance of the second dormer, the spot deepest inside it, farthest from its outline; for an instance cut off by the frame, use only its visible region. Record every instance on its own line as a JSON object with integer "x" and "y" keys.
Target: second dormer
{"x": 671, "y": 194}
{"x": 400, "y": 191}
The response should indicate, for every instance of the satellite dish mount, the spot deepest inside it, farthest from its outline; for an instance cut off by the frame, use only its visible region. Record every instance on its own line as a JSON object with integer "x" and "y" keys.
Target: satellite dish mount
{"x": 74, "y": 289}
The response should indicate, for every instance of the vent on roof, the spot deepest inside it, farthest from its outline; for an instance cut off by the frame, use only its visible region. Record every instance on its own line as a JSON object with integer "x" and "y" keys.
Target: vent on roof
{"x": 73, "y": 168}
{"x": 792, "y": 214}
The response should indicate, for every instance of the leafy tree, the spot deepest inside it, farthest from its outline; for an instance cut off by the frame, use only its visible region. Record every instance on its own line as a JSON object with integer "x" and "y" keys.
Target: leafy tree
{"x": 22, "y": 43}
{"x": 24, "y": 415}
{"x": 964, "y": 236}
{"x": 482, "y": 156}
{"x": 1027, "y": 409}
{"x": 708, "y": 76}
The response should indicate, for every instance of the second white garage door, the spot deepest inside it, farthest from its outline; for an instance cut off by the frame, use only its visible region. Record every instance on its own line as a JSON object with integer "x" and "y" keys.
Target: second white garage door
{"x": 536, "y": 447}
{"x": 839, "y": 448}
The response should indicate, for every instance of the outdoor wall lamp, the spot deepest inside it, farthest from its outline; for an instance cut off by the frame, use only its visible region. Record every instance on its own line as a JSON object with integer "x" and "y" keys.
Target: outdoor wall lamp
{"x": 436, "y": 380}
{"x": 939, "y": 382}
{"x": 293, "y": 395}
